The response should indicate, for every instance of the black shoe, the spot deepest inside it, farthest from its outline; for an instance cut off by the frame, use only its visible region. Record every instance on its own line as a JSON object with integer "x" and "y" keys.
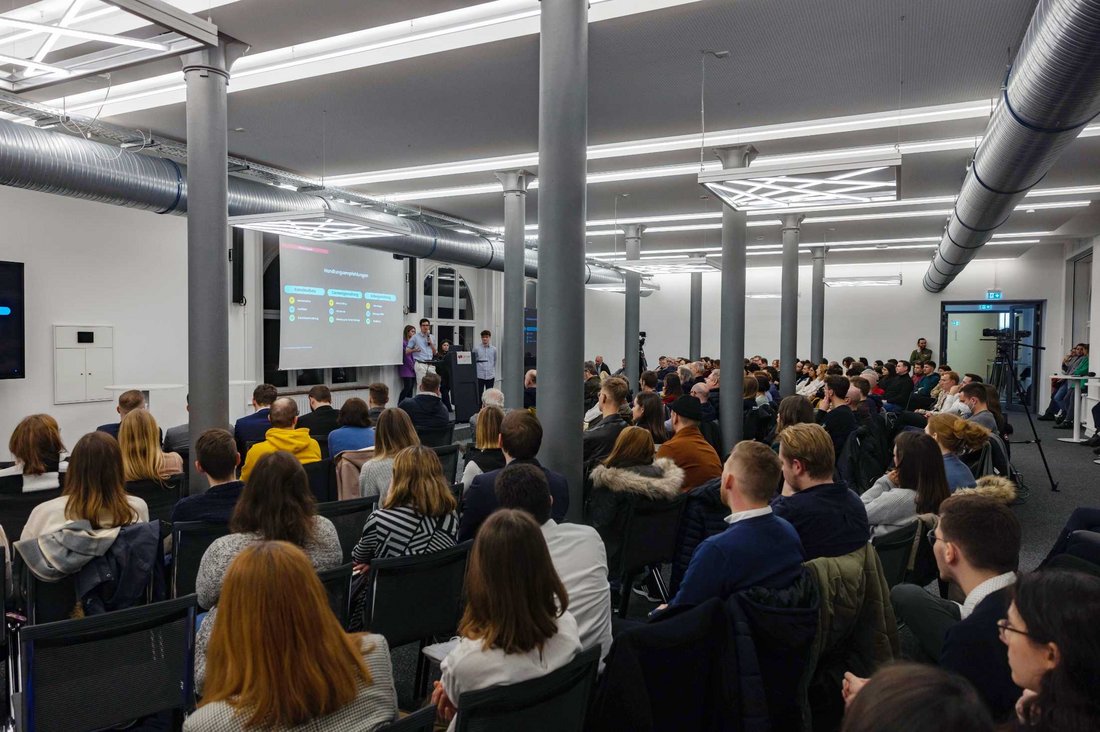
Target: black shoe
{"x": 1093, "y": 441}
{"x": 1063, "y": 426}
{"x": 1096, "y": 451}
{"x": 1045, "y": 417}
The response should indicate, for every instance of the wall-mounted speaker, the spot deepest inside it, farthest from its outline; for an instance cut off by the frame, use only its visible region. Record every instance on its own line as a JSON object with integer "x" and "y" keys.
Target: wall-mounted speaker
{"x": 236, "y": 260}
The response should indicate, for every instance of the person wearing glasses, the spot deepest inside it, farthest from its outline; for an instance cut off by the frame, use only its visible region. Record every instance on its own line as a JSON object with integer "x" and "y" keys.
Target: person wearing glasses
{"x": 977, "y": 546}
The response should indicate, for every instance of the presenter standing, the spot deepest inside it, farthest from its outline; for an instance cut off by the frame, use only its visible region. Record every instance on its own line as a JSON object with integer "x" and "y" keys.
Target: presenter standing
{"x": 407, "y": 370}
{"x": 485, "y": 357}
{"x": 424, "y": 351}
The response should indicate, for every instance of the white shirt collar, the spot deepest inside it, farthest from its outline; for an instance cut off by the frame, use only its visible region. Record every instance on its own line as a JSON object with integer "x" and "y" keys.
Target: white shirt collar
{"x": 984, "y": 590}
{"x": 751, "y": 513}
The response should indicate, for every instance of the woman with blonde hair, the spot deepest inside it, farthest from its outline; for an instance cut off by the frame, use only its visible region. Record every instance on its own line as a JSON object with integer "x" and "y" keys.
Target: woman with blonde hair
{"x": 955, "y": 435}
{"x": 486, "y": 454}
{"x": 94, "y": 491}
{"x": 630, "y": 473}
{"x": 278, "y": 660}
{"x": 517, "y": 625}
{"x": 393, "y": 433}
{"x": 38, "y": 451}
{"x": 142, "y": 459}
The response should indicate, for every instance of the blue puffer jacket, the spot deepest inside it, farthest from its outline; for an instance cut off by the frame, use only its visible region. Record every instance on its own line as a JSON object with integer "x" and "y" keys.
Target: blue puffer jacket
{"x": 704, "y": 515}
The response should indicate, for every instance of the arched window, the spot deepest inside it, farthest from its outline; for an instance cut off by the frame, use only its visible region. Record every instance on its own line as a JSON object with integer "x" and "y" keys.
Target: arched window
{"x": 449, "y": 304}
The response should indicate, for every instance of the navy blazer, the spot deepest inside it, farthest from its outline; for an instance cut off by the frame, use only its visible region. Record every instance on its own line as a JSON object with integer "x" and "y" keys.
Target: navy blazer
{"x": 829, "y": 518}
{"x": 973, "y": 649}
{"x": 251, "y": 428}
{"x": 480, "y": 499}
{"x": 214, "y": 506}
{"x": 320, "y": 421}
{"x": 426, "y": 411}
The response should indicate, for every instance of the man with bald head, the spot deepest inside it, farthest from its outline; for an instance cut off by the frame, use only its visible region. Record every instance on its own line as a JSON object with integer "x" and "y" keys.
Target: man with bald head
{"x": 284, "y": 434}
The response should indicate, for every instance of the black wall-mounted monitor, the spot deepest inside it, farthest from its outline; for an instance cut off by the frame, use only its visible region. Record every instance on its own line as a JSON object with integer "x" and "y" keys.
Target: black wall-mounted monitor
{"x": 13, "y": 349}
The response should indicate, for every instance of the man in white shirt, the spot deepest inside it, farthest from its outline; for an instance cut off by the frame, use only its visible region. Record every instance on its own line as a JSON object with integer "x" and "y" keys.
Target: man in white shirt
{"x": 485, "y": 362}
{"x": 576, "y": 550}
{"x": 425, "y": 350}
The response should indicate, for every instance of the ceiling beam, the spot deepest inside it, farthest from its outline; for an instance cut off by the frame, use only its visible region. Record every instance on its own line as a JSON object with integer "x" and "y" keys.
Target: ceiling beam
{"x": 168, "y": 16}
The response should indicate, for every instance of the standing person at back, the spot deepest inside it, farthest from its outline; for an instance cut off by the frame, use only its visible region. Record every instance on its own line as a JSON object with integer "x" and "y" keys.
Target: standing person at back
{"x": 485, "y": 358}
{"x": 216, "y": 457}
{"x": 322, "y": 418}
{"x": 687, "y": 447}
{"x": 424, "y": 350}
{"x": 829, "y": 518}
{"x": 284, "y": 434}
{"x": 253, "y": 427}
{"x": 128, "y": 401}
{"x": 921, "y": 353}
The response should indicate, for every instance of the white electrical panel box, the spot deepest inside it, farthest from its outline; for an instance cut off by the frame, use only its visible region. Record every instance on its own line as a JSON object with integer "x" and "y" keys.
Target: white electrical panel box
{"x": 83, "y": 363}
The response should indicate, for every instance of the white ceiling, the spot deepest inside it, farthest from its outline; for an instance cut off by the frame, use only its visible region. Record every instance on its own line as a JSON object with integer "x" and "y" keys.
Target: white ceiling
{"x": 790, "y": 62}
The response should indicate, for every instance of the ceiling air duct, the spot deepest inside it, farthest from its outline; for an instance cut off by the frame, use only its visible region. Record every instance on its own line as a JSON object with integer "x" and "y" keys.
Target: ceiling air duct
{"x": 1052, "y": 92}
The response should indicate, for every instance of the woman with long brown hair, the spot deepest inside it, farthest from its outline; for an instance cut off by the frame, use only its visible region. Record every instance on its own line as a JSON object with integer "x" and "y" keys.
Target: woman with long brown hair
{"x": 485, "y": 455}
{"x": 278, "y": 659}
{"x": 916, "y": 485}
{"x": 517, "y": 625}
{"x": 142, "y": 459}
{"x": 630, "y": 473}
{"x": 393, "y": 433}
{"x": 275, "y": 505}
{"x": 94, "y": 491}
{"x": 39, "y": 453}
{"x": 649, "y": 414}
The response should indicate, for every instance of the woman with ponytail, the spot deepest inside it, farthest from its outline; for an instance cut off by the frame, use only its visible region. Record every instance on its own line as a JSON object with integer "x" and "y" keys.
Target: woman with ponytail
{"x": 955, "y": 435}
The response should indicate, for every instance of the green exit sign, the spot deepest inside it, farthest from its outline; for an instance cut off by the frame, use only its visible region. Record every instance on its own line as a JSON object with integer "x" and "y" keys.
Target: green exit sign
{"x": 994, "y": 295}
{"x": 956, "y": 323}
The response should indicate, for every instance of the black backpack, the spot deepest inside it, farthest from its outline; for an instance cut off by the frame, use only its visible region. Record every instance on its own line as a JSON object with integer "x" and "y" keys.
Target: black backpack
{"x": 759, "y": 423}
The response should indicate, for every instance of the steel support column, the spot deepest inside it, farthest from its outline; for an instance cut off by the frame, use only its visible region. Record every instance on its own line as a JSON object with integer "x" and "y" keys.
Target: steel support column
{"x": 695, "y": 317}
{"x": 817, "y": 307}
{"x": 206, "y": 73}
{"x": 788, "y": 317}
{"x": 515, "y": 184}
{"x": 732, "y": 337}
{"x": 632, "y": 350}
{"x": 563, "y": 142}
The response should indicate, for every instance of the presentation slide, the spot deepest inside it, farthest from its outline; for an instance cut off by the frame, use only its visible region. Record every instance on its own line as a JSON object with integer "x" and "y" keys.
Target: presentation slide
{"x": 341, "y": 305}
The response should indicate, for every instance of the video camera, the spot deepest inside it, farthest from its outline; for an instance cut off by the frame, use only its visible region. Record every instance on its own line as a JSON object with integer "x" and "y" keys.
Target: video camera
{"x": 1005, "y": 334}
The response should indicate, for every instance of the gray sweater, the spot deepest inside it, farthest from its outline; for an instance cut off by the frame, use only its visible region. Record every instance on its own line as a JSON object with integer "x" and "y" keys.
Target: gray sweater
{"x": 374, "y": 479}
{"x": 888, "y": 506}
{"x": 375, "y": 704}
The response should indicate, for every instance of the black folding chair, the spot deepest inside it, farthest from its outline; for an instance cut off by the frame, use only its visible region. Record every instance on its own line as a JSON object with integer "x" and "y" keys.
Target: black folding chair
{"x": 348, "y": 517}
{"x": 448, "y": 458}
{"x": 16, "y": 505}
{"x": 894, "y": 549}
{"x": 556, "y": 702}
{"x": 43, "y": 602}
{"x": 437, "y": 437}
{"x": 98, "y": 672}
{"x": 337, "y": 582}
{"x": 160, "y": 496}
{"x": 416, "y": 598}
{"x": 322, "y": 442}
{"x": 322, "y": 480}
{"x": 422, "y": 720}
{"x": 649, "y": 540}
{"x": 190, "y": 540}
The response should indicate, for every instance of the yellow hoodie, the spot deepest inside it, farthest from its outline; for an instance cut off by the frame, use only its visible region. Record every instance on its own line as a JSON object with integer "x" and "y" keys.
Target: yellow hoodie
{"x": 295, "y": 441}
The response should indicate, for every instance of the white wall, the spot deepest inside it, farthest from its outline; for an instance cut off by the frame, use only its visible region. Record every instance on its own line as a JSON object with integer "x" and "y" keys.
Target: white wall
{"x": 874, "y": 322}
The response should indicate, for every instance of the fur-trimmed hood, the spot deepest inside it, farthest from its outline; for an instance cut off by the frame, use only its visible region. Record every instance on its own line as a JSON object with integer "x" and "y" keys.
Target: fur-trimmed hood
{"x": 992, "y": 486}
{"x": 662, "y": 479}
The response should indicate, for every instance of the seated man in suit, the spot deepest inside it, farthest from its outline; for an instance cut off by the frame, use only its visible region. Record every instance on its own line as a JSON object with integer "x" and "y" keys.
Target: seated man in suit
{"x": 128, "y": 401}
{"x": 977, "y": 546}
{"x": 216, "y": 457}
{"x": 322, "y": 418}
{"x": 284, "y": 434}
{"x": 426, "y": 409}
{"x": 253, "y": 427}
{"x": 178, "y": 438}
{"x": 520, "y": 439}
{"x": 758, "y": 549}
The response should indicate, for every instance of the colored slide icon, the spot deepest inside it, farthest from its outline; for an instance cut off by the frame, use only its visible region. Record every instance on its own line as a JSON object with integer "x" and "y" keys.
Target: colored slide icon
{"x": 331, "y": 319}
{"x": 297, "y": 290}
{"x": 380, "y": 296}
{"x": 291, "y": 318}
{"x": 346, "y": 294}
{"x": 5, "y": 310}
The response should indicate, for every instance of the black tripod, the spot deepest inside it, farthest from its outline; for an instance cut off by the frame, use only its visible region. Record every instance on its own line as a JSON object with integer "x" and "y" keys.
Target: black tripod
{"x": 1004, "y": 372}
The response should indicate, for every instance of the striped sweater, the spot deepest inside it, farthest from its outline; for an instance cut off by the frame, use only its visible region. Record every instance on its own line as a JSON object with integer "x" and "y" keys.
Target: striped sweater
{"x": 401, "y": 531}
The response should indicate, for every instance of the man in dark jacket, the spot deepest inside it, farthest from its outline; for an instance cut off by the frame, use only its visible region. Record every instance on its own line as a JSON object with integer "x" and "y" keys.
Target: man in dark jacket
{"x": 426, "y": 409}
{"x": 896, "y": 389}
{"x": 253, "y": 427}
{"x": 128, "y": 401}
{"x": 322, "y": 418}
{"x": 599, "y": 439}
{"x": 835, "y": 415}
{"x": 520, "y": 439}
{"x": 829, "y": 518}
{"x": 977, "y": 546}
{"x": 217, "y": 458}
{"x": 591, "y": 385}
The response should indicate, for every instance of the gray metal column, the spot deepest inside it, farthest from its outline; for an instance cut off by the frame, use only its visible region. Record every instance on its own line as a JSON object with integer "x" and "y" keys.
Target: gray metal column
{"x": 817, "y": 307}
{"x": 563, "y": 141}
{"x": 788, "y": 314}
{"x": 695, "y": 317}
{"x": 207, "y": 74}
{"x": 515, "y": 184}
{"x": 732, "y": 337}
{"x": 632, "y": 351}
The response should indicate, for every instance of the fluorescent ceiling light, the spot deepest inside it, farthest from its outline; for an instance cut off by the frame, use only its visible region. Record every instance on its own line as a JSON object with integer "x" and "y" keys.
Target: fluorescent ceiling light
{"x": 34, "y": 65}
{"x": 666, "y": 265}
{"x": 474, "y": 25}
{"x": 868, "y": 281}
{"x": 764, "y": 296}
{"x": 645, "y": 289}
{"x": 81, "y": 34}
{"x": 318, "y": 225}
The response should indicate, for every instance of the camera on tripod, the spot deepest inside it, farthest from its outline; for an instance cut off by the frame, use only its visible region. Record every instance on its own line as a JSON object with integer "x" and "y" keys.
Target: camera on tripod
{"x": 1005, "y": 334}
